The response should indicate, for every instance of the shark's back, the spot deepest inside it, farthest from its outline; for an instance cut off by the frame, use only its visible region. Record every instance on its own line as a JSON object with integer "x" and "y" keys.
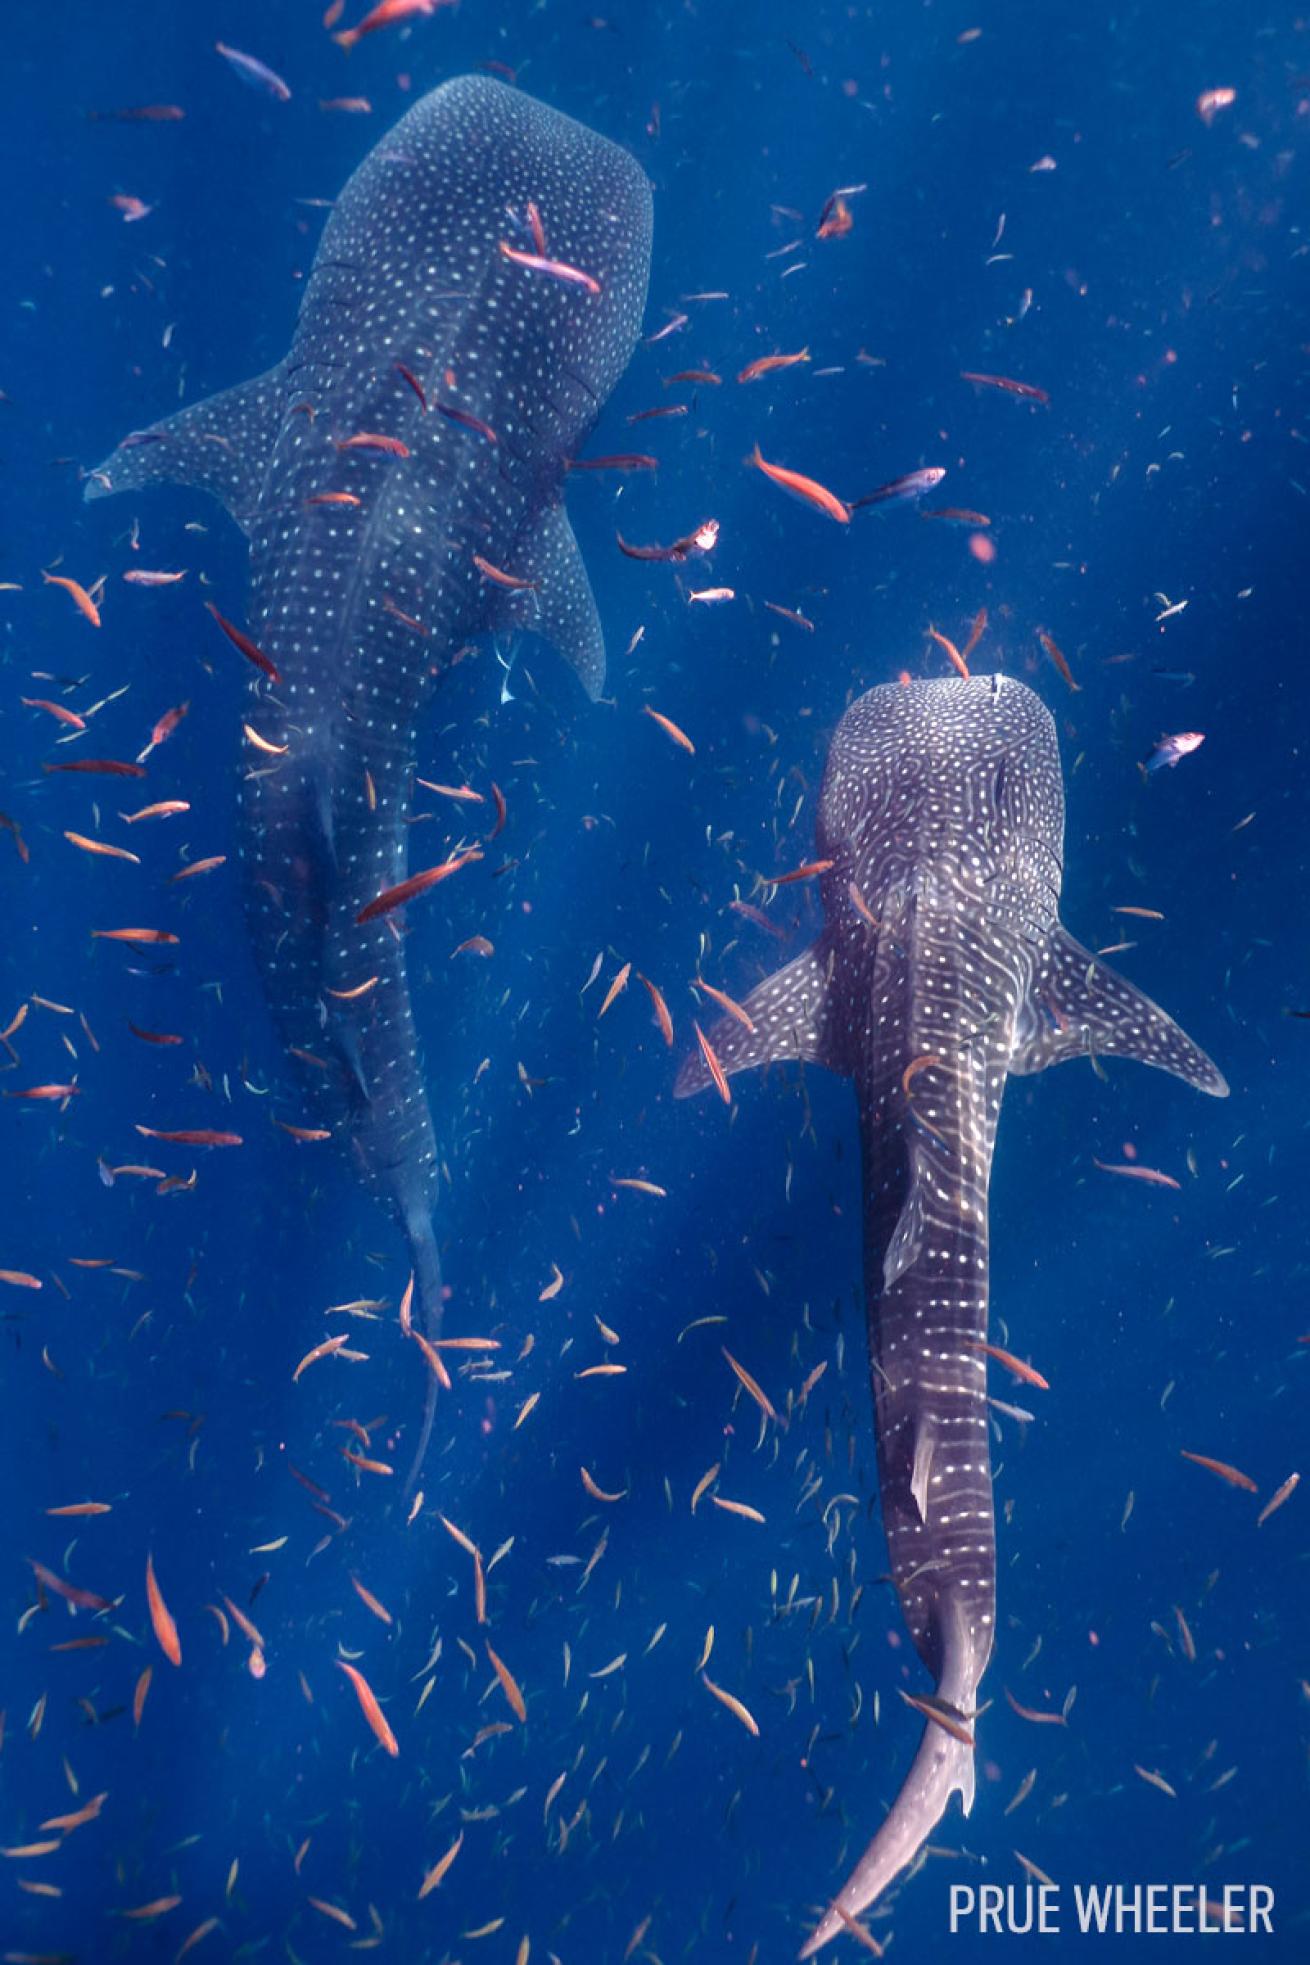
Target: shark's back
{"x": 411, "y": 265}
{"x": 961, "y": 775}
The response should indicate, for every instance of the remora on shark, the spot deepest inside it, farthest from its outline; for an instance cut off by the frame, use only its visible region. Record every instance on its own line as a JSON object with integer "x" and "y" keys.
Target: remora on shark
{"x": 942, "y": 967}
{"x": 364, "y": 556}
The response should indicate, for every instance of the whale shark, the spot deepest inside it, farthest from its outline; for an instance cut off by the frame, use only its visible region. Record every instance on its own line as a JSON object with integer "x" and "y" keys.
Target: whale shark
{"x": 942, "y": 967}
{"x": 476, "y": 295}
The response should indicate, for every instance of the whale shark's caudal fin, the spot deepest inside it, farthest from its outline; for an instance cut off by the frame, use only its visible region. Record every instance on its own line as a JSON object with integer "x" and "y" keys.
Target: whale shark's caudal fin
{"x": 943, "y": 1766}
{"x": 221, "y": 445}
{"x": 1079, "y": 1008}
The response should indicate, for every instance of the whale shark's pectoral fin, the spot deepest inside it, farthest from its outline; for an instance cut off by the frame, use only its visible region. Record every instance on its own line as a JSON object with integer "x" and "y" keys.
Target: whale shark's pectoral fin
{"x": 1079, "y": 1008}
{"x": 789, "y": 1015}
{"x": 221, "y": 445}
{"x": 561, "y": 608}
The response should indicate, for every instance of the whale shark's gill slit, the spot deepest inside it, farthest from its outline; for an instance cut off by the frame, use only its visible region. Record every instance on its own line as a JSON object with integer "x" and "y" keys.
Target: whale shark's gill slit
{"x": 917, "y": 820}
{"x": 327, "y": 833}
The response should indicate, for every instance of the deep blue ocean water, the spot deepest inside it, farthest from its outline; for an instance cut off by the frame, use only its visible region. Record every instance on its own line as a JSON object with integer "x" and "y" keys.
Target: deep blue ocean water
{"x": 1165, "y": 260}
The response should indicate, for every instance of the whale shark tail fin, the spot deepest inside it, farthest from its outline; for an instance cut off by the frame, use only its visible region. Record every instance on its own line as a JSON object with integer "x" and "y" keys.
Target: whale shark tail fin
{"x": 1078, "y": 1008}
{"x": 943, "y": 1766}
{"x": 427, "y": 1313}
{"x": 221, "y": 445}
{"x": 788, "y": 1015}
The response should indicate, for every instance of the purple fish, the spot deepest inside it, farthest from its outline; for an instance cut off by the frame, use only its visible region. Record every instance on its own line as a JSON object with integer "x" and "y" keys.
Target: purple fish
{"x": 254, "y": 73}
{"x": 915, "y": 484}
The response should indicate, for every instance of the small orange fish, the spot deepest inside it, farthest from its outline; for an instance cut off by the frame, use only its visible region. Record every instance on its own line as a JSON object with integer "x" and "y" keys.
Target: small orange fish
{"x": 976, "y": 633}
{"x": 912, "y": 1070}
{"x": 1031, "y": 1714}
{"x": 151, "y": 936}
{"x": 945, "y": 643}
{"x": 766, "y": 364}
{"x": 1011, "y": 1363}
{"x": 70, "y": 1592}
{"x": 1132, "y": 1171}
{"x": 556, "y": 269}
{"x": 374, "y": 440}
{"x": 370, "y": 1708}
{"x": 724, "y": 1001}
{"x": 807, "y": 872}
{"x": 417, "y": 883}
{"x": 661, "y": 1008}
{"x": 56, "y": 710}
{"x": 167, "y": 808}
{"x": 197, "y": 867}
{"x": 101, "y": 846}
{"x": 1284, "y": 1493}
{"x": 616, "y": 988}
{"x": 1233, "y": 1475}
{"x": 1057, "y": 656}
{"x": 670, "y": 728}
{"x": 1027, "y": 390}
{"x": 192, "y": 1136}
{"x": 751, "y": 1385}
{"x": 242, "y": 641}
{"x": 79, "y": 595}
{"x": 802, "y": 487}
{"x": 160, "y": 1617}
{"x": 508, "y": 1684}
{"x": 499, "y": 578}
{"x": 712, "y": 1065}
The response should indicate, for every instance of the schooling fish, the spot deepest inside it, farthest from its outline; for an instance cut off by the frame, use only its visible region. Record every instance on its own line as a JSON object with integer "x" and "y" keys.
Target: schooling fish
{"x": 942, "y": 807}
{"x": 410, "y": 269}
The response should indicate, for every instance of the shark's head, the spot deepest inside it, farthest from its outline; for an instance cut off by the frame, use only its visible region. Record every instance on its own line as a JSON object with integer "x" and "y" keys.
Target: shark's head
{"x": 969, "y": 769}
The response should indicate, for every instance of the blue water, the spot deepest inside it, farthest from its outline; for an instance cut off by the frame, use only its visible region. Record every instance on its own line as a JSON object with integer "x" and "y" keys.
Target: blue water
{"x": 1166, "y": 263}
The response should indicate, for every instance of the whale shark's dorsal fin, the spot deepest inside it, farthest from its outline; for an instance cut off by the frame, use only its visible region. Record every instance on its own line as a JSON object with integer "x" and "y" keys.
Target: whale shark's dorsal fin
{"x": 1079, "y": 1008}
{"x": 221, "y": 445}
{"x": 561, "y": 607}
{"x": 791, "y": 1014}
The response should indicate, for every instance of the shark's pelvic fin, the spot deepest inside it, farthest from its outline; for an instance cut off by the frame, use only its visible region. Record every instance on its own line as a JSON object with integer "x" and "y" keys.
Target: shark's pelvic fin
{"x": 1079, "y": 1007}
{"x": 792, "y": 1014}
{"x": 221, "y": 445}
{"x": 907, "y": 1237}
{"x": 924, "y": 1442}
{"x": 562, "y": 609}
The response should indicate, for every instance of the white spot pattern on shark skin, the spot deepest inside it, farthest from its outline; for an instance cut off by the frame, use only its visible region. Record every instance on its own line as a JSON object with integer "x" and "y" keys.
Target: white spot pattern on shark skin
{"x": 359, "y": 606}
{"x": 943, "y": 806}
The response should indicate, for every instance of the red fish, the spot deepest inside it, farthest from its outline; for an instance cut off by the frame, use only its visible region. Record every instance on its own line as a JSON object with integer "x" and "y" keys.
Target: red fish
{"x": 556, "y": 269}
{"x": 387, "y": 13}
{"x": 417, "y": 883}
{"x": 242, "y": 641}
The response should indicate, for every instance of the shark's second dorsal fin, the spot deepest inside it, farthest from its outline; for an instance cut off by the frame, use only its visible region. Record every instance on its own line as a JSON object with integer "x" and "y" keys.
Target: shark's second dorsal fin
{"x": 1079, "y": 1008}
{"x": 790, "y": 1012}
{"x": 561, "y": 607}
{"x": 221, "y": 445}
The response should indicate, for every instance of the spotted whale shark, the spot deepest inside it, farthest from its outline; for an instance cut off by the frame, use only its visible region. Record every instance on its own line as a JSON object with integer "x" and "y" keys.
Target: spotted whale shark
{"x": 477, "y": 293}
{"x": 941, "y": 968}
